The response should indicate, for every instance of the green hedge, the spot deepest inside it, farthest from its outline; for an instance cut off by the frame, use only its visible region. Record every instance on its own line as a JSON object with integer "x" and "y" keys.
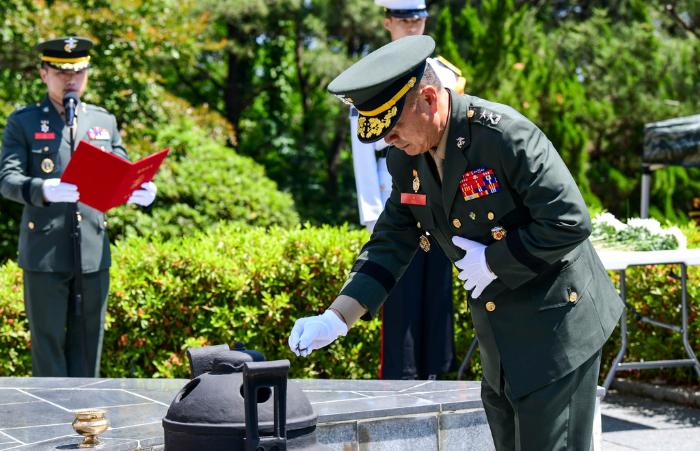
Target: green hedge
{"x": 250, "y": 284}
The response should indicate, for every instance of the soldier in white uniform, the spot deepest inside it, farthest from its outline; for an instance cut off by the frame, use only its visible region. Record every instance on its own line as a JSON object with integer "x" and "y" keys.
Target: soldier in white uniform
{"x": 417, "y": 334}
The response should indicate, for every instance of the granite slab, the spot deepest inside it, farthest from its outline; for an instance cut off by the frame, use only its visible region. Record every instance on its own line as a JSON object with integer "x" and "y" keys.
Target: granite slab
{"x": 36, "y": 413}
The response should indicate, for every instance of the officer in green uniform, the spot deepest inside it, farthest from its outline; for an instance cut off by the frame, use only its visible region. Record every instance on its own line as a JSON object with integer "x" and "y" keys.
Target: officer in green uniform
{"x": 36, "y": 148}
{"x": 491, "y": 189}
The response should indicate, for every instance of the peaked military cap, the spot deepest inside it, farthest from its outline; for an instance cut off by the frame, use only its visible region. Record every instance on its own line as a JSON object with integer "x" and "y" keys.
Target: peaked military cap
{"x": 377, "y": 84}
{"x": 67, "y": 53}
{"x": 403, "y": 9}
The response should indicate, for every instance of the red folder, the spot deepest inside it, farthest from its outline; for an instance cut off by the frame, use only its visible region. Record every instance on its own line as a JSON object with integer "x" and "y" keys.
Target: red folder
{"x": 106, "y": 180}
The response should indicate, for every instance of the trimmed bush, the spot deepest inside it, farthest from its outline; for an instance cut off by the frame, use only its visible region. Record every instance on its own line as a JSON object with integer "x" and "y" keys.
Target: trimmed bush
{"x": 250, "y": 284}
{"x": 201, "y": 183}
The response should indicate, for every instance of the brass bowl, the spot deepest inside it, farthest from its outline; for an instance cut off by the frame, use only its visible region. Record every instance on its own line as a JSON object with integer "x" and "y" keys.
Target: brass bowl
{"x": 90, "y": 423}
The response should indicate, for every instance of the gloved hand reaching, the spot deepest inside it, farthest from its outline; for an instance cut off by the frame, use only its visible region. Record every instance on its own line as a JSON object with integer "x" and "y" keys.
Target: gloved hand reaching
{"x": 144, "y": 196}
{"x": 55, "y": 190}
{"x": 474, "y": 270}
{"x": 315, "y": 332}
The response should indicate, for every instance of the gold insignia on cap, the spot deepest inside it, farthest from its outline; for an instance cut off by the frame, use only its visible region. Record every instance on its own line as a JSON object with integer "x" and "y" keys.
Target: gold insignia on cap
{"x": 424, "y": 243}
{"x": 498, "y": 233}
{"x": 490, "y": 306}
{"x": 71, "y": 43}
{"x": 416, "y": 181}
{"x": 371, "y": 126}
{"x": 47, "y": 165}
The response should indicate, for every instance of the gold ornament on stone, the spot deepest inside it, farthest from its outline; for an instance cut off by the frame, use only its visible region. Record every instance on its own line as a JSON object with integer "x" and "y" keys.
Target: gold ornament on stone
{"x": 90, "y": 423}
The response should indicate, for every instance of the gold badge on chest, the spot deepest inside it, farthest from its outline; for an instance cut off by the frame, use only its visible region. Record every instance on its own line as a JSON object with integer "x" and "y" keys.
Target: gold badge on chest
{"x": 47, "y": 165}
{"x": 498, "y": 233}
{"x": 424, "y": 243}
{"x": 416, "y": 181}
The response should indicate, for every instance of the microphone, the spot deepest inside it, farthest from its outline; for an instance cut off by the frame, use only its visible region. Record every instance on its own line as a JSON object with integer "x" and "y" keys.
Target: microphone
{"x": 70, "y": 104}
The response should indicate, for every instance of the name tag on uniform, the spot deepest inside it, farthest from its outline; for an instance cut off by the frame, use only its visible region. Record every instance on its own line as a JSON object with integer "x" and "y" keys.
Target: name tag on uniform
{"x": 479, "y": 183}
{"x": 98, "y": 134}
{"x": 413, "y": 199}
{"x": 44, "y": 136}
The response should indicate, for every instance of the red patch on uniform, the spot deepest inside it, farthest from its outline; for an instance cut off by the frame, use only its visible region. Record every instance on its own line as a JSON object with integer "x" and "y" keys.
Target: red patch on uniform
{"x": 413, "y": 199}
{"x": 44, "y": 136}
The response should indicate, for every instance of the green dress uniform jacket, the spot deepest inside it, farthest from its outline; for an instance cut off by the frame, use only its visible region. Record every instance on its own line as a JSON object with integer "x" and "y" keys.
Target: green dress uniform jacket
{"x": 36, "y": 146}
{"x": 553, "y": 305}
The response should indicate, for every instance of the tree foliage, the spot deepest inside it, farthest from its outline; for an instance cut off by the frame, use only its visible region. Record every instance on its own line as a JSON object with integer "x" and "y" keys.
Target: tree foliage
{"x": 589, "y": 73}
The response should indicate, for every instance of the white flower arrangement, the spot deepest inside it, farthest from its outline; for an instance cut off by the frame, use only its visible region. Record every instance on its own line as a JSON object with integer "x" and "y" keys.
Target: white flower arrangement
{"x": 637, "y": 234}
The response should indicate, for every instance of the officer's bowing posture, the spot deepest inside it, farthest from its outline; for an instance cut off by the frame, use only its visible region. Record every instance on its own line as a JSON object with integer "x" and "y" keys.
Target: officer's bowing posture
{"x": 489, "y": 186}
{"x": 417, "y": 339}
{"x": 36, "y": 148}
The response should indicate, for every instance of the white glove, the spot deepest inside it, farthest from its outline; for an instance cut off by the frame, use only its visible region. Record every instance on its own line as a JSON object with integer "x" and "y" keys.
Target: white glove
{"x": 315, "y": 332}
{"x": 55, "y": 190}
{"x": 144, "y": 196}
{"x": 474, "y": 270}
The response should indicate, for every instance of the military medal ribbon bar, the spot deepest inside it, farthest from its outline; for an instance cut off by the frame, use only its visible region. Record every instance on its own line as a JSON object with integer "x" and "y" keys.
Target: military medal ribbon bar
{"x": 478, "y": 183}
{"x": 413, "y": 199}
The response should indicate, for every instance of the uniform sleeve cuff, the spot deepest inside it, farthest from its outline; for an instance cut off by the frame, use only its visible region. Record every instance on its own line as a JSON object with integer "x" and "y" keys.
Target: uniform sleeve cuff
{"x": 367, "y": 291}
{"x": 32, "y": 192}
{"x": 349, "y": 308}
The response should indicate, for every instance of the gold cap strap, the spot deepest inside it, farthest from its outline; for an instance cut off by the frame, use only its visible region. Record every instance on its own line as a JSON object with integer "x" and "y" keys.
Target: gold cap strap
{"x": 53, "y": 59}
{"x": 391, "y": 102}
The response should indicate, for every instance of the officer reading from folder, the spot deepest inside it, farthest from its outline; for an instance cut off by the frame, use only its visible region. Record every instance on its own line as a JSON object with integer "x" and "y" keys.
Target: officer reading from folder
{"x": 63, "y": 244}
{"x": 491, "y": 189}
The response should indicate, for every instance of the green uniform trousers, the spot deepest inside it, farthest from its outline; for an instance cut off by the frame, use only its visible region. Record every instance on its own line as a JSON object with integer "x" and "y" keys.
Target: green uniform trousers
{"x": 558, "y": 416}
{"x": 55, "y": 329}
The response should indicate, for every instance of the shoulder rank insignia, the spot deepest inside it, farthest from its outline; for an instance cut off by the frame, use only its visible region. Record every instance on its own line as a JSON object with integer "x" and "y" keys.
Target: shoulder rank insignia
{"x": 487, "y": 117}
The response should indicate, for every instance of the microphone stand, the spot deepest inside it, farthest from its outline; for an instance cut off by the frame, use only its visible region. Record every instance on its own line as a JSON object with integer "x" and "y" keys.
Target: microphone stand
{"x": 78, "y": 272}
